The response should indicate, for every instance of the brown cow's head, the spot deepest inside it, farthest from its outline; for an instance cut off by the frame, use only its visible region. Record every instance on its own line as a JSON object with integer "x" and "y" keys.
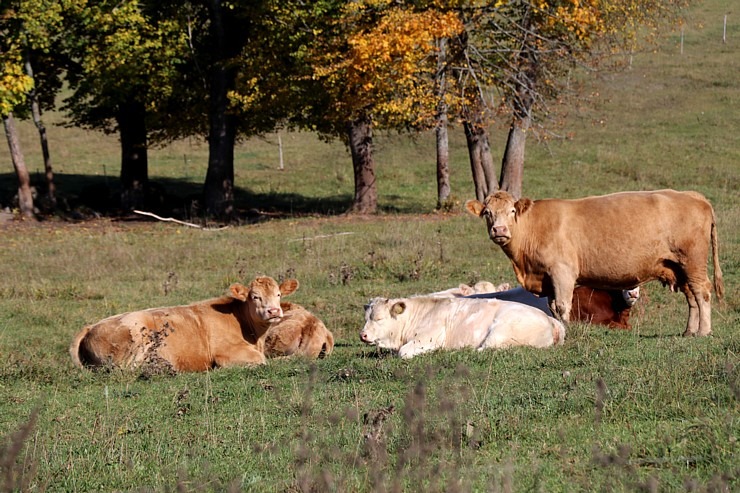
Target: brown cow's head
{"x": 631, "y": 296}
{"x": 262, "y": 298}
{"x": 501, "y": 212}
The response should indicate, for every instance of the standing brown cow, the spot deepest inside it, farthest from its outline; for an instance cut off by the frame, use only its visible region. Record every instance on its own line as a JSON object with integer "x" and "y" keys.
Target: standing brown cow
{"x": 615, "y": 241}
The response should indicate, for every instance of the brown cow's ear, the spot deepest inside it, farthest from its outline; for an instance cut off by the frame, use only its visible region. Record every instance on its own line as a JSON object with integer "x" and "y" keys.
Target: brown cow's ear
{"x": 474, "y": 207}
{"x": 288, "y": 286}
{"x": 239, "y": 292}
{"x": 522, "y": 206}
{"x": 398, "y": 308}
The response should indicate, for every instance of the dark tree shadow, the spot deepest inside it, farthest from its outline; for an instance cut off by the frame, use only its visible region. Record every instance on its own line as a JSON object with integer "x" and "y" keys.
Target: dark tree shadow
{"x": 87, "y": 196}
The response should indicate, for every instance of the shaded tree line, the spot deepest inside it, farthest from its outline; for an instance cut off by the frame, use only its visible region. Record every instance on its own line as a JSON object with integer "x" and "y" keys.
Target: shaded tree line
{"x": 152, "y": 72}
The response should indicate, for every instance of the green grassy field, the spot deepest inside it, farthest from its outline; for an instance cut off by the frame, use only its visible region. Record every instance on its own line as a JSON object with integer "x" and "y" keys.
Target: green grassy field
{"x": 645, "y": 410}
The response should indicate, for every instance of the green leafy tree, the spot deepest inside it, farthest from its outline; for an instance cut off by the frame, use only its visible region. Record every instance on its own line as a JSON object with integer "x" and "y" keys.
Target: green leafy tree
{"x": 124, "y": 60}
{"x": 233, "y": 83}
{"x": 15, "y": 85}
{"x": 41, "y": 22}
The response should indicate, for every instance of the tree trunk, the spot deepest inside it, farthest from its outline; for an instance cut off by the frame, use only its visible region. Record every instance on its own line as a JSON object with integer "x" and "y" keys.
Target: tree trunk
{"x": 25, "y": 196}
{"x": 525, "y": 78}
{"x": 51, "y": 195}
{"x": 443, "y": 162}
{"x": 361, "y": 146}
{"x": 443, "y": 147}
{"x": 131, "y": 120}
{"x": 219, "y": 185}
{"x": 512, "y": 166}
{"x": 481, "y": 162}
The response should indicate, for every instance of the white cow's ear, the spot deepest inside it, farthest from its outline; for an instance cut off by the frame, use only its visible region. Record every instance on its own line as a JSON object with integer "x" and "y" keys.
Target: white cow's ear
{"x": 288, "y": 286}
{"x": 522, "y": 206}
{"x": 398, "y": 308}
{"x": 474, "y": 207}
{"x": 239, "y": 292}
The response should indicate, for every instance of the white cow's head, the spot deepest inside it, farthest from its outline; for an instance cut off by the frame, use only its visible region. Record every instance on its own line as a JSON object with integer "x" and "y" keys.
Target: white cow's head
{"x": 501, "y": 212}
{"x": 382, "y": 325}
{"x": 631, "y": 296}
{"x": 262, "y": 298}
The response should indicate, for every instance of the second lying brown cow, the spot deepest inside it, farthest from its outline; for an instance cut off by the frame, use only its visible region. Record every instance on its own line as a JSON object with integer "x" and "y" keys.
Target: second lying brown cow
{"x": 227, "y": 331}
{"x": 610, "y": 307}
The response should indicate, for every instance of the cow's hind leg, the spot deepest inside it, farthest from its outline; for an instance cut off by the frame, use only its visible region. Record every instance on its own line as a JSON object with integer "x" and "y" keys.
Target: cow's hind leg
{"x": 701, "y": 289}
{"x": 692, "y": 326}
{"x": 497, "y": 337}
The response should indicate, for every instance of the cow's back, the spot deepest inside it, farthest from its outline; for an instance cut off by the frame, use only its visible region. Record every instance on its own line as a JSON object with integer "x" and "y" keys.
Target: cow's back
{"x": 173, "y": 337}
{"x": 617, "y": 240}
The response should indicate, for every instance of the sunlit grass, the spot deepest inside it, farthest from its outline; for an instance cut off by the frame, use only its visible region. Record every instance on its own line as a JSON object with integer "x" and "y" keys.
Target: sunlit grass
{"x": 645, "y": 410}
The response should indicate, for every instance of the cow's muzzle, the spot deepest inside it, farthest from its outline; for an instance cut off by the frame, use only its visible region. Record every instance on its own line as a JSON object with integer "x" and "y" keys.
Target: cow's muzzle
{"x": 364, "y": 337}
{"x": 499, "y": 234}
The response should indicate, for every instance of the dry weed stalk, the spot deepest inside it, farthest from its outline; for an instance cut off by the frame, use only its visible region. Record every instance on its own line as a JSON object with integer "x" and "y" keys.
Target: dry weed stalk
{"x": 16, "y": 475}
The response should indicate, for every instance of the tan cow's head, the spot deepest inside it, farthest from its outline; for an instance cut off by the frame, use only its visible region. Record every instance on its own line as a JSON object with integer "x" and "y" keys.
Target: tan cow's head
{"x": 382, "y": 326}
{"x": 262, "y": 297}
{"x": 501, "y": 213}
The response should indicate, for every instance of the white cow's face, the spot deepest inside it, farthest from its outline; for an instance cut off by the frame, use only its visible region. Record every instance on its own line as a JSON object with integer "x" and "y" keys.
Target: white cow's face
{"x": 382, "y": 327}
{"x": 631, "y": 295}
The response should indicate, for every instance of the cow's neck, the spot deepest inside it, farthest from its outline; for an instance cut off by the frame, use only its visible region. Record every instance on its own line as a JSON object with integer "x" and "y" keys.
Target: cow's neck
{"x": 519, "y": 252}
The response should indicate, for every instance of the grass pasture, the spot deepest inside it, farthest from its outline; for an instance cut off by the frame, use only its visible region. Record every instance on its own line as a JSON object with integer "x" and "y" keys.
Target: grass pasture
{"x": 645, "y": 410}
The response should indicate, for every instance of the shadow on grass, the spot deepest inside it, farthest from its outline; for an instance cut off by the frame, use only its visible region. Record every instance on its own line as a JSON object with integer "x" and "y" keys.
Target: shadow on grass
{"x": 85, "y": 196}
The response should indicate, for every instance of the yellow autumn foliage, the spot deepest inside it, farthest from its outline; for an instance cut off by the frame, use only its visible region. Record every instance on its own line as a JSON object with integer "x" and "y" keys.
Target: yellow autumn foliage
{"x": 385, "y": 68}
{"x": 14, "y": 83}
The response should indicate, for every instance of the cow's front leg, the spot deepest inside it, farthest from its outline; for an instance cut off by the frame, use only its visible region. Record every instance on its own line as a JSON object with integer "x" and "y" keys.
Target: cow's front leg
{"x": 563, "y": 283}
{"x": 412, "y": 348}
{"x": 239, "y": 355}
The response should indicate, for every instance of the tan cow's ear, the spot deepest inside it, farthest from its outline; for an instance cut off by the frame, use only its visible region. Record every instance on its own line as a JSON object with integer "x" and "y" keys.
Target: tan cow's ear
{"x": 522, "y": 206}
{"x": 466, "y": 290}
{"x": 398, "y": 308}
{"x": 239, "y": 292}
{"x": 474, "y": 207}
{"x": 288, "y": 286}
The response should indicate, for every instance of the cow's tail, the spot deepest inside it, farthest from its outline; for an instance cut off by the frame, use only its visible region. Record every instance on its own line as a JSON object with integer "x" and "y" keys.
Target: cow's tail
{"x": 719, "y": 287}
{"x": 74, "y": 348}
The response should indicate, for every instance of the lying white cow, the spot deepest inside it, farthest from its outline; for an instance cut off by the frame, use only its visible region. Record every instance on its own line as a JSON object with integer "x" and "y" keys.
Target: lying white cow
{"x": 480, "y": 287}
{"x": 416, "y": 325}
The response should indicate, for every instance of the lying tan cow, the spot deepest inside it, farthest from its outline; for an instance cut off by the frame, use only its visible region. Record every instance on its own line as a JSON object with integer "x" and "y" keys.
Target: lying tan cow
{"x": 616, "y": 241}
{"x": 298, "y": 333}
{"x": 220, "y": 332}
{"x": 416, "y": 325}
{"x": 480, "y": 287}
